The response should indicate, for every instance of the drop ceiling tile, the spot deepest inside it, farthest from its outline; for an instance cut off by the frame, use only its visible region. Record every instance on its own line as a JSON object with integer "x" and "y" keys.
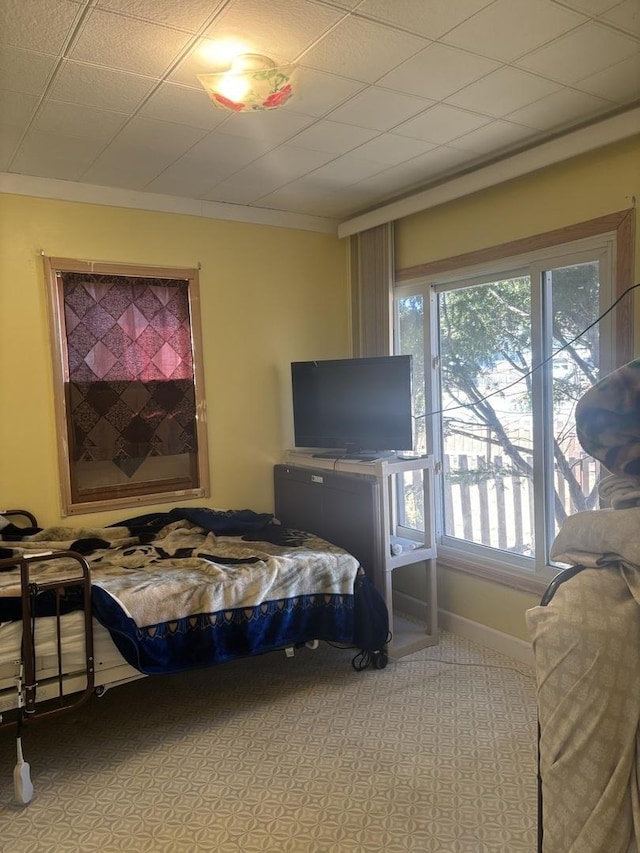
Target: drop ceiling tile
{"x": 333, "y": 137}
{"x": 442, "y": 161}
{"x": 495, "y": 137}
{"x": 619, "y": 83}
{"x": 186, "y": 179}
{"x": 78, "y": 83}
{"x": 270, "y": 126}
{"x": 24, "y": 70}
{"x": 196, "y": 61}
{"x": 41, "y": 25}
{"x": 316, "y": 93}
{"x": 379, "y": 109}
{"x": 338, "y": 4}
{"x": 419, "y": 171}
{"x": 626, "y": 16}
{"x": 305, "y": 195}
{"x": 437, "y": 72}
{"x": 130, "y": 167}
{"x": 208, "y": 163}
{"x": 559, "y": 109}
{"x": 171, "y": 102}
{"x": 126, "y": 44}
{"x": 280, "y": 28}
{"x": 269, "y": 173}
{"x": 48, "y": 155}
{"x": 362, "y": 50}
{"x": 591, "y": 7}
{"x": 578, "y": 54}
{"x": 16, "y": 108}
{"x": 230, "y": 152}
{"x": 348, "y": 169}
{"x": 188, "y": 15}
{"x": 235, "y": 190}
{"x": 10, "y": 136}
{"x": 162, "y": 136}
{"x": 410, "y": 173}
{"x": 289, "y": 161}
{"x": 502, "y": 92}
{"x": 393, "y": 181}
{"x": 509, "y": 28}
{"x": 78, "y": 121}
{"x": 140, "y": 152}
{"x": 432, "y": 19}
{"x": 390, "y": 149}
{"x": 441, "y": 124}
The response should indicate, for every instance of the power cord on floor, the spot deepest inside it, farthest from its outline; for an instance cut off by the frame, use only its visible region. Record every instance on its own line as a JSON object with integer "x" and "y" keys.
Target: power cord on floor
{"x": 378, "y": 659}
{"x": 413, "y": 659}
{"x": 365, "y": 659}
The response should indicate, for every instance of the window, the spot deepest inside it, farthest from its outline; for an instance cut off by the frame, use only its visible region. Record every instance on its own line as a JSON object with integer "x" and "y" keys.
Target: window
{"x": 502, "y": 352}
{"x": 128, "y": 384}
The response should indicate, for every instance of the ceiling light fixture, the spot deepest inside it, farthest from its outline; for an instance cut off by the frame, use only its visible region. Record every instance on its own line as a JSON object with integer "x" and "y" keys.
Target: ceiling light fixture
{"x": 252, "y": 82}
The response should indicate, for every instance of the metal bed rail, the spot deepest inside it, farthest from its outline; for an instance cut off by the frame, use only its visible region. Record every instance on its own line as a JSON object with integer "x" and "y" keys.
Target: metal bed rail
{"x": 27, "y": 683}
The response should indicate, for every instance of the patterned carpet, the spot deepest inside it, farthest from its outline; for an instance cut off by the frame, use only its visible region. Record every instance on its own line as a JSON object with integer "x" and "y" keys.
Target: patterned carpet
{"x": 434, "y": 754}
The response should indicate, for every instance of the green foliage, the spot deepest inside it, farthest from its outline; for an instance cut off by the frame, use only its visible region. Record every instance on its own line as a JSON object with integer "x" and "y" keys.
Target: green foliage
{"x": 485, "y": 334}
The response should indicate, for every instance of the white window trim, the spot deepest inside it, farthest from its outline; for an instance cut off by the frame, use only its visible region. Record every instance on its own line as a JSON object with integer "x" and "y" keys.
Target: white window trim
{"x": 483, "y": 561}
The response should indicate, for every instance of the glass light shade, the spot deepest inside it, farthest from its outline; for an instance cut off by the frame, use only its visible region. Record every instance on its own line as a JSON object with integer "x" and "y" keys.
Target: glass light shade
{"x": 253, "y": 82}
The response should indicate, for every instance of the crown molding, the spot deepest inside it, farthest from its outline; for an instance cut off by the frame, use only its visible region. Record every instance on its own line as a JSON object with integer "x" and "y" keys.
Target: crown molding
{"x": 605, "y": 132}
{"x": 27, "y": 185}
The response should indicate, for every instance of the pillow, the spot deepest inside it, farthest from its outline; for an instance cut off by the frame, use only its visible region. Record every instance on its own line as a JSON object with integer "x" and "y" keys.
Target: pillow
{"x": 608, "y": 420}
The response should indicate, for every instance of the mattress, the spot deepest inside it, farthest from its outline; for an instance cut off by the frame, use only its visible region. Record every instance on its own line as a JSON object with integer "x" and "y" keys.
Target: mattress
{"x": 110, "y": 667}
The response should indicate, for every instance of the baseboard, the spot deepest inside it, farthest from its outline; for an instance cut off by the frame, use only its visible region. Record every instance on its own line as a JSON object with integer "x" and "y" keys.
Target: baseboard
{"x": 476, "y": 632}
{"x": 488, "y": 637}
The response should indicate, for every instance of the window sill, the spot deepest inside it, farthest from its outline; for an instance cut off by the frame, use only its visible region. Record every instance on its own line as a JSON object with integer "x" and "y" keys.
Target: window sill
{"x": 512, "y": 578}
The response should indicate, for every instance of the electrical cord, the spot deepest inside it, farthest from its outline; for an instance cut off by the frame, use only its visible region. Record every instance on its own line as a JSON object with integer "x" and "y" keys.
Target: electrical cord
{"x": 535, "y": 367}
{"x": 364, "y": 659}
{"x": 467, "y": 663}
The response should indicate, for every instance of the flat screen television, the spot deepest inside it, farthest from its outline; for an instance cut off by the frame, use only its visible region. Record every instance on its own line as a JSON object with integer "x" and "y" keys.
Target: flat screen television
{"x": 359, "y": 406}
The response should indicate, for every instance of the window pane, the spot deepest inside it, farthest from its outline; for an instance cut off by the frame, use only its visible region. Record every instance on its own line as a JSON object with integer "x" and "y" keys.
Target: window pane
{"x": 410, "y": 341}
{"x": 575, "y": 300}
{"x": 486, "y": 421}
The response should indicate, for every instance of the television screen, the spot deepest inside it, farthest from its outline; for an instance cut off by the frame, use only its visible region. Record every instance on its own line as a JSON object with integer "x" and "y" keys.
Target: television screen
{"x": 358, "y": 405}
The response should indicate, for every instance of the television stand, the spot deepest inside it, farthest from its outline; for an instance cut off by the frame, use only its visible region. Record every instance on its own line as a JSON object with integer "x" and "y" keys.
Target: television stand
{"x": 355, "y": 455}
{"x": 369, "y": 456}
{"x": 355, "y": 504}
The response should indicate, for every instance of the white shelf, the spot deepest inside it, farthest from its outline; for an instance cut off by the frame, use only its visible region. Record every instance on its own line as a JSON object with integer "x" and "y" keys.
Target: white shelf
{"x": 410, "y": 635}
{"x": 378, "y": 468}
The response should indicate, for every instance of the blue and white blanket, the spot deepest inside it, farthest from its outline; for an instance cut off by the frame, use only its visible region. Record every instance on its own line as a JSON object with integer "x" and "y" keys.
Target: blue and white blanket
{"x": 194, "y": 587}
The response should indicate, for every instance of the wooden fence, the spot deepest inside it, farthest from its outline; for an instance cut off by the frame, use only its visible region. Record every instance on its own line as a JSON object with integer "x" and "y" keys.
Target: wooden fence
{"x": 487, "y": 503}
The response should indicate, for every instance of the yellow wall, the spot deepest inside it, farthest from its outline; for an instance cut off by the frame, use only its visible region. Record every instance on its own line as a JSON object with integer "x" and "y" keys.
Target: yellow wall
{"x": 269, "y": 296}
{"x": 604, "y": 181}
{"x": 586, "y": 187}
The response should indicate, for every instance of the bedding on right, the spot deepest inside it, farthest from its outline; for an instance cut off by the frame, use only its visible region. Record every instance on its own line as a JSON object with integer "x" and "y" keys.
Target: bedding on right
{"x": 586, "y": 642}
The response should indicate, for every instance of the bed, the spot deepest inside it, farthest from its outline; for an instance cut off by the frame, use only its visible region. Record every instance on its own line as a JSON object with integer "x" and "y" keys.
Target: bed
{"x": 86, "y": 609}
{"x": 586, "y": 641}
